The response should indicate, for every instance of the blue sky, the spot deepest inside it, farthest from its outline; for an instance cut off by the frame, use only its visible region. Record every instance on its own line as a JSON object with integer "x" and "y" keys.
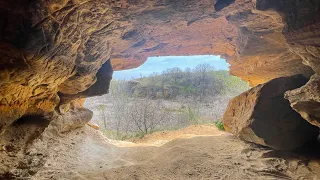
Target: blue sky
{"x": 158, "y": 64}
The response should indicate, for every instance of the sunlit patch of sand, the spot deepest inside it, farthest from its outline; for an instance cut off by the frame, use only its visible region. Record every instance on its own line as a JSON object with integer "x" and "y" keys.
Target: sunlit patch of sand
{"x": 196, "y": 152}
{"x": 162, "y": 137}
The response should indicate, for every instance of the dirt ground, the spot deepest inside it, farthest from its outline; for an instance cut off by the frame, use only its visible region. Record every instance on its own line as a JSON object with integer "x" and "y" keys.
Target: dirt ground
{"x": 200, "y": 152}
{"x": 163, "y": 137}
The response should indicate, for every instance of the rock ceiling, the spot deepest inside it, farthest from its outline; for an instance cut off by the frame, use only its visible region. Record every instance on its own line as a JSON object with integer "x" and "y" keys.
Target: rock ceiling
{"x": 52, "y": 50}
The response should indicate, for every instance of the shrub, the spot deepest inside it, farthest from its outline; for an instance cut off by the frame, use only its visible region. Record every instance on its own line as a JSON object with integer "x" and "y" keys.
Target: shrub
{"x": 193, "y": 116}
{"x": 219, "y": 125}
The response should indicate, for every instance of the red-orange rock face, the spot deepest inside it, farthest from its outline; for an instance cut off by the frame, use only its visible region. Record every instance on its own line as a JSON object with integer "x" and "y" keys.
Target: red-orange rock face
{"x": 51, "y": 51}
{"x": 55, "y": 52}
{"x": 251, "y": 35}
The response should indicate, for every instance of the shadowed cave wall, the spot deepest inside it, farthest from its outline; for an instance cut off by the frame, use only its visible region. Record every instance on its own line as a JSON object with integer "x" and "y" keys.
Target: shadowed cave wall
{"x": 54, "y": 53}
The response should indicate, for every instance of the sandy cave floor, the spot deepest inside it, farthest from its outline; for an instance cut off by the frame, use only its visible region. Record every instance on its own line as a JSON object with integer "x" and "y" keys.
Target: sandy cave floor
{"x": 200, "y": 152}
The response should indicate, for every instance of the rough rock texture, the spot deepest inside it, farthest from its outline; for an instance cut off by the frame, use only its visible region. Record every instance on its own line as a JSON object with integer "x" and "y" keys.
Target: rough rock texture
{"x": 262, "y": 115}
{"x": 306, "y": 100}
{"x": 49, "y": 47}
{"x": 252, "y": 35}
{"x": 31, "y": 141}
{"x": 85, "y": 153}
{"x": 53, "y": 53}
{"x": 72, "y": 119}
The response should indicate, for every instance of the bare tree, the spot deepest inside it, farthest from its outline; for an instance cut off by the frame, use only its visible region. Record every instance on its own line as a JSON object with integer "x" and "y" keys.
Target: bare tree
{"x": 147, "y": 115}
{"x": 145, "y": 105}
{"x": 102, "y": 109}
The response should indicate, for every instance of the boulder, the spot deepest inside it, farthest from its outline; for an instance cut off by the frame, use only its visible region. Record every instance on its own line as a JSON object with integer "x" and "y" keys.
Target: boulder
{"x": 73, "y": 119}
{"x": 263, "y": 116}
{"x": 306, "y": 100}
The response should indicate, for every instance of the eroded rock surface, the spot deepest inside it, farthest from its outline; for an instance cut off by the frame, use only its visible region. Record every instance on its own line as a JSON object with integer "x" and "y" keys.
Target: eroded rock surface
{"x": 59, "y": 46}
{"x": 86, "y": 154}
{"x": 53, "y": 53}
{"x": 49, "y": 47}
{"x": 262, "y": 115}
{"x": 306, "y": 100}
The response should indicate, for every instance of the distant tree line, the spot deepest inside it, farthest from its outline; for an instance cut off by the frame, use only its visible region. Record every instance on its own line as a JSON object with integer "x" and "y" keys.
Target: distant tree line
{"x": 198, "y": 84}
{"x": 172, "y": 99}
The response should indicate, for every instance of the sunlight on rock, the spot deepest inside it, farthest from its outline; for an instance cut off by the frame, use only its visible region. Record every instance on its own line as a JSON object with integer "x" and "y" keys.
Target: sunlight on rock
{"x": 161, "y": 117}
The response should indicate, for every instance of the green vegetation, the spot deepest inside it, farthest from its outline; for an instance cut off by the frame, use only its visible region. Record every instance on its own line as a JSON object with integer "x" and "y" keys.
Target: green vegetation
{"x": 219, "y": 125}
{"x": 171, "y": 100}
{"x": 198, "y": 84}
{"x": 118, "y": 135}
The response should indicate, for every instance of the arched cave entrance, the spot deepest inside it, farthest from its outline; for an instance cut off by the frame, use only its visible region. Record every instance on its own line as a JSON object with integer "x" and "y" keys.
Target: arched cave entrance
{"x": 165, "y": 93}
{"x": 55, "y": 53}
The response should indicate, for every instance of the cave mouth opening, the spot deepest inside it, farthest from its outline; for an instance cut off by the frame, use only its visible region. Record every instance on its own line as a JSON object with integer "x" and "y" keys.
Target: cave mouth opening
{"x": 184, "y": 93}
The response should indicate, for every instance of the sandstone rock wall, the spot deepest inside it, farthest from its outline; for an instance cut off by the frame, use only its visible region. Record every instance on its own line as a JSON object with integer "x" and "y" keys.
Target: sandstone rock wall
{"x": 306, "y": 100}
{"x": 49, "y": 47}
{"x": 53, "y": 53}
{"x": 56, "y": 51}
{"x": 262, "y": 115}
